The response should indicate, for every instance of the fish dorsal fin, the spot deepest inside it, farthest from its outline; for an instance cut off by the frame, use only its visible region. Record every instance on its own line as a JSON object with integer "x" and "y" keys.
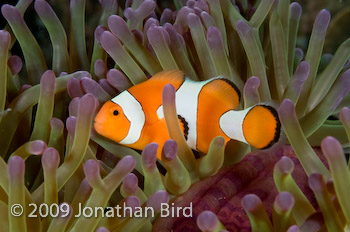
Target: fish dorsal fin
{"x": 226, "y": 90}
{"x": 158, "y": 81}
{"x": 149, "y": 93}
{"x": 151, "y": 90}
{"x": 170, "y": 75}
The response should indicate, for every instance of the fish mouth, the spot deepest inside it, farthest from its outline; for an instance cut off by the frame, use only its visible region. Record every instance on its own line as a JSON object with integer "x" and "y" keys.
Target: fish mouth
{"x": 98, "y": 127}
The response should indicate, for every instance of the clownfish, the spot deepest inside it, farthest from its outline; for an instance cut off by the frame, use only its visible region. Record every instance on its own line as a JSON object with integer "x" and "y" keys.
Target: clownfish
{"x": 206, "y": 109}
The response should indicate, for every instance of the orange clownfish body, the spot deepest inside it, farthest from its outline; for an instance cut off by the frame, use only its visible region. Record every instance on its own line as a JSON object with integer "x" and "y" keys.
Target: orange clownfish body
{"x": 206, "y": 109}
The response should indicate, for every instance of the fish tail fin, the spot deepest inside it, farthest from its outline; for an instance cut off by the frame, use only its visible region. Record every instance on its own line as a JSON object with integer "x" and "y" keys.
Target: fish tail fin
{"x": 261, "y": 126}
{"x": 258, "y": 126}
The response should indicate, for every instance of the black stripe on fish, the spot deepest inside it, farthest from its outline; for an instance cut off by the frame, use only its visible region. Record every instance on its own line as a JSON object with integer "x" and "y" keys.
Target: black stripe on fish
{"x": 185, "y": 126}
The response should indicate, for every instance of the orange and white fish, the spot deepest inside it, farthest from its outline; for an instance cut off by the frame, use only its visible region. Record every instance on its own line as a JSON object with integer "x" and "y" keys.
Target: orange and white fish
{"x": 206, "y": 109}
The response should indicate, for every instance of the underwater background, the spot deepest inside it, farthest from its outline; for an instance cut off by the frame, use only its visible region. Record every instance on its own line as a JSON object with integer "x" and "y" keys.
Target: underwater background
{"x": 61, "y": 60}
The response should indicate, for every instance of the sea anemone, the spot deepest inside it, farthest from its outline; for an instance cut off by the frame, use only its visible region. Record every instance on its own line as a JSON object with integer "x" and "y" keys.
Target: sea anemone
{"x": 53, "y": 164}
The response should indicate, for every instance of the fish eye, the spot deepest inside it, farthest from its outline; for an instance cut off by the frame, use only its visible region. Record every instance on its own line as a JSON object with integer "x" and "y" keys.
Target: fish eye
{"x": 115, "y": 113}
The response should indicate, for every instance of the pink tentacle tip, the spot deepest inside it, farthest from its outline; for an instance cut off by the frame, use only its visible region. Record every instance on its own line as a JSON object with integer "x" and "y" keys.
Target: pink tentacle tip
{"x": 50, "y": 159}
{"x": 149, "y": 155}
{"x": 102, "y": 229}
{"x": 170, "y": 150}
{"x": 107, "y": 3}
{"x": 345, "y": 116}
{"x": 190, "y": 3}
{"x": 126, "y": 164}
{"x": 81, "y": 74}
{"x": 74, "y": 88}
{"x": 214, "y": 37}
{"x": 193, "y": 20}
{"x": 73, "y": 106}
{"x": 70, "y": 124}
{"x": 198, "y": 11}
{"x": 117, "y": 25}
{"x": 11, "y": 13}
{"x": 285, "y": 165}
{"x": 92, "y": 171}
{"x": 295, "y": 10}
{"x": 133, "y": 202}
{"x": 108, "y": 41}
{"x": 118, "y": 80}
{"x": 15, "y": 64}
{"x": 322, "y": 21}
{"x": 16, "y": 167}
{"x": 219, "y": 141}
{"x": 154, "y": 35}
{"x": 48, "y": 81}
{"x": 98, "y": 32}
{"x": 107, "y": 87}
{"x": 130, "y": 183}
{"x": 202, "y": 5}
{"x": 24, "y": 88}
{"x": 100, "y": 68}
{"x": 293, "y": 228}
{"x": 251, "y": 202}
{"x": 207, "y": 221}
{"x": 331, "y": 148}
{"x": 242, "y": 27}
{"x": 157, "y": 199}
{"x": 150, "y": 23}
{"x": 37, "y": 147}
{"x": 286, "y": 108}
{"x": 43, "y": 8}
{"x": 166, "y": 17}
{"x": 139, "y": 36}
{"x": 303, "y": 70}
{"x": 169, "y": 93}
{"x": 284, "y": 201}
{"x": 87, "y": 104}
{"x": 146, "y": 8}
{"x": 299, "y": 53}
{"x": 5, "y": 39}
{"x": 316, "y": 182}
{"x": 252, "y": 83}
{"x": 56, "y": 123}
{"x": 129, "y": 13}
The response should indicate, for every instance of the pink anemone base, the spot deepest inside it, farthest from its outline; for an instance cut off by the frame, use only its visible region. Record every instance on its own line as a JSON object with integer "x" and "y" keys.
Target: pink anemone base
{"x": 223, "y": 192}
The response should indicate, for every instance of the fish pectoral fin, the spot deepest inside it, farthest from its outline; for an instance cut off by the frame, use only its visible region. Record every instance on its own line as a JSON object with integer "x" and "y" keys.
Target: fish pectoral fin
{"x": 162, "y": 124}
